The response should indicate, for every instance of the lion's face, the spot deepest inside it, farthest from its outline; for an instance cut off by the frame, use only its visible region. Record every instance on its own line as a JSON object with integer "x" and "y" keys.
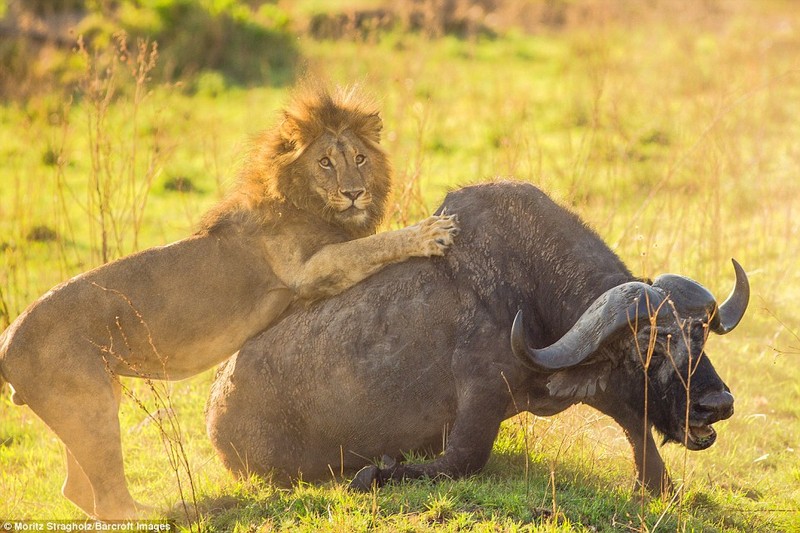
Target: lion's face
{"x": 324, "y": 158}
{"x": 341, "y": 172}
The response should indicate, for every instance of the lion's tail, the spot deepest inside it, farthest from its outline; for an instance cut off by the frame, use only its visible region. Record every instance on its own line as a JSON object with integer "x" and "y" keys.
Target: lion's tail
{"x": 2, "y": 356}
{"x": 3, "y": 336}
{"x": 3, "y": 347}
{"x": 2, "y": 383}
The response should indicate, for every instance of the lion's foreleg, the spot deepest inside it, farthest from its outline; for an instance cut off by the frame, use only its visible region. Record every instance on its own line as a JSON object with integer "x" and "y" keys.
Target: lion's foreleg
{"x": 337, "y": 267}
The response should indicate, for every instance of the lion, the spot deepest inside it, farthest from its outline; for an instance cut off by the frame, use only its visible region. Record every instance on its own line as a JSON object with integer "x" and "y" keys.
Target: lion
{"x": 299, "y": 226}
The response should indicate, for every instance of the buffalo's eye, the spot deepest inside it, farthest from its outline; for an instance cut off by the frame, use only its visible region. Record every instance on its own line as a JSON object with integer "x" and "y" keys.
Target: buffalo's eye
{"x": 361, "y": 159}
{"x": 325, "y": 162}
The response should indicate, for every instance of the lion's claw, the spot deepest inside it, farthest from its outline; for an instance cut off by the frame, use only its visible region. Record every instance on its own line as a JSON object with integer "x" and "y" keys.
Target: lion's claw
{"x": 436, "y": 234}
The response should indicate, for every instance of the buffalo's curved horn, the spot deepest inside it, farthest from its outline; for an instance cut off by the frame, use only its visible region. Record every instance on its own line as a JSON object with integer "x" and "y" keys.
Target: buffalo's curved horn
{"x": 693, "y": 300}
{"x": 612, "y": 312}
{"x": 731, "y": 311}
{"x": 689, "y": 297}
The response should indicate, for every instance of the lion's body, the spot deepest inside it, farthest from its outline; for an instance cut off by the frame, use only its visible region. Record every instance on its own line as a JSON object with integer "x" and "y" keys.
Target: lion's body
{"x": 299, "y": 227}
{"x": 172, "y": 296}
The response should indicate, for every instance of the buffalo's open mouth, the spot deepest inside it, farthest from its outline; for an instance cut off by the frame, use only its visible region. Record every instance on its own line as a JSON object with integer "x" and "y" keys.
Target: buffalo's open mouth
{"x": 700, "y": 437}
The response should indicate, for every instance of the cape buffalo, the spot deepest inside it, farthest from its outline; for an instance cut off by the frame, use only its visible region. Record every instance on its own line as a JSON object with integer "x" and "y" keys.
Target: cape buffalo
{"x": 422, "y": 357}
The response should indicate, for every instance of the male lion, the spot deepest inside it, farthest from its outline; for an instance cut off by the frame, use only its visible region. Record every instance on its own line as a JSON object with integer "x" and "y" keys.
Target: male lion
{"x": 300, "y": 226}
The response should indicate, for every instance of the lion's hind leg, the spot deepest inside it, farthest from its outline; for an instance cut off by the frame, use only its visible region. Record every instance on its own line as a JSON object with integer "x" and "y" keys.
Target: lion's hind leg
{"x": 77, "y": 487}
{"x": 82, "y": 410}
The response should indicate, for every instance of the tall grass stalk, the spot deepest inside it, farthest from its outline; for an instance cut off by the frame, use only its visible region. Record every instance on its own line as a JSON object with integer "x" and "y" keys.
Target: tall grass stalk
{"x": 645, "y": 359}
{"x": 524, "y": 423}
{"x": 118, "y": 185}
{"x": 409, "y": 198}
{"x": 63, "y": 222}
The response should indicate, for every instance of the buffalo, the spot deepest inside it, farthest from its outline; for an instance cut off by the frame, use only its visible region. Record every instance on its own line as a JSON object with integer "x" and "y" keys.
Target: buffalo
{"x": 530, "y": 311}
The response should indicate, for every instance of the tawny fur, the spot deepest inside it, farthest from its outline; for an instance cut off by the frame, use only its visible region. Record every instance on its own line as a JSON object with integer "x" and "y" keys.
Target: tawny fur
{"x": 300, "y": 225}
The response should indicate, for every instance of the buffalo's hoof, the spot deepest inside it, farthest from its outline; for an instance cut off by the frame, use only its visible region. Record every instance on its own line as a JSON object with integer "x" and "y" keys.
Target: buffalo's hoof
{"x": 366, "y": 479}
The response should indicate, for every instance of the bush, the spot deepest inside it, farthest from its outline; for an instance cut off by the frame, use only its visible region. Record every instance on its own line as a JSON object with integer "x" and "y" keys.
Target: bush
{"x": 246, "y": 45}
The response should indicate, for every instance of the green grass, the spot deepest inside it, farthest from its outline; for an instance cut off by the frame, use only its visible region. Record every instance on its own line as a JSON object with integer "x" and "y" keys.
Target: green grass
{"x": 674, "y": 135}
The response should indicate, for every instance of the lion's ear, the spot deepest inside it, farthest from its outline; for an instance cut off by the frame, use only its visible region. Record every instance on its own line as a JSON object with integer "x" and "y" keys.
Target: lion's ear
{"x": 289, "y": 132}
{"x": 373, "y": 125}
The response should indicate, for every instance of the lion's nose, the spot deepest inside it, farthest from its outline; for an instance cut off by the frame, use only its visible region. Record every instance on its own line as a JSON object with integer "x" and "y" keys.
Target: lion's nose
{"x": 353, "y": 194}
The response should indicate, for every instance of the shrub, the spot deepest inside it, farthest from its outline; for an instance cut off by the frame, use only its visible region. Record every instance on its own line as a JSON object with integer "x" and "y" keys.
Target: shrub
{"x": 246, "y": 45}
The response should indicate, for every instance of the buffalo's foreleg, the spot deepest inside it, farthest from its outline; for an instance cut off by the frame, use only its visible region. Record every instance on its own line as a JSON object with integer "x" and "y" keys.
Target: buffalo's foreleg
{"x": 467, "y": 450}
{"x": 650, "y": 469}
{"x": 651, "y": 472}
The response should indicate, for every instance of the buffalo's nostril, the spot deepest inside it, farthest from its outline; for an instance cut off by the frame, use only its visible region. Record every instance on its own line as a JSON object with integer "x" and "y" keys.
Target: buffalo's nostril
{"x": 713, "y": 407}
{"x": 353, "y": 194}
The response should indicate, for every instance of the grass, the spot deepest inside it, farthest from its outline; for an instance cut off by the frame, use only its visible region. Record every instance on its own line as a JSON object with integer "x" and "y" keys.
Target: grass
{"x": 672, "y": 133}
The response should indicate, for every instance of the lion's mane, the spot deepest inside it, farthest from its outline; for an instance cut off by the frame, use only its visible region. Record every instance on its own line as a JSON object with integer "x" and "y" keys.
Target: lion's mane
{"x": 269, "y": 180}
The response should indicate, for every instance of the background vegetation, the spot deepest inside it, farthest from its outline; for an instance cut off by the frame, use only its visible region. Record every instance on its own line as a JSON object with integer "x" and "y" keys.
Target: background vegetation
{"x": 670, "y": 126}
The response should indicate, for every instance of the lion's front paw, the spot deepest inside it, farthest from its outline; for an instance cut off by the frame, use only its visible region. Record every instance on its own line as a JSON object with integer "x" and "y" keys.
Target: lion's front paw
{"x": 436, "y": 234}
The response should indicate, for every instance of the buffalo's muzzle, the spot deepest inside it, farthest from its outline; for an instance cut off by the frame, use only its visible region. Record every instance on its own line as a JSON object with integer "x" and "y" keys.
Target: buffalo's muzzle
{"x": 712, "y": 407}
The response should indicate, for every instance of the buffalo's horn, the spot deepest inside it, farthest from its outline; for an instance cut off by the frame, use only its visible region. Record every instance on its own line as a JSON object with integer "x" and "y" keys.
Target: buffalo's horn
{"x": 731, "y": 311}
{"x": 693, "y": 300}
{"x": 689, "y": 297}
{"x": 612, "y": 312}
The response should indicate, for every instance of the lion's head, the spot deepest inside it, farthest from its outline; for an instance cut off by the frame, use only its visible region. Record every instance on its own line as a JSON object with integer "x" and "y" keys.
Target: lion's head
{"x": 324, "y": 158}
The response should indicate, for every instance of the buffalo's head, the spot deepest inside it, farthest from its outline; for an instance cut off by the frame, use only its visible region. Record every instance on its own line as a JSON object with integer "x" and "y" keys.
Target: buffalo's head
{"x": 653, "y": 334}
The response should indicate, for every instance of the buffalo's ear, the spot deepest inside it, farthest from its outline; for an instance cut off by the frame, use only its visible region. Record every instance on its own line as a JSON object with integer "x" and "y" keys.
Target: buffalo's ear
{"x": 579, "y": 382}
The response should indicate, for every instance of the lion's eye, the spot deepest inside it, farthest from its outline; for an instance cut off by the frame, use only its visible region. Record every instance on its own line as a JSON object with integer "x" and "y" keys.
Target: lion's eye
{"x": 325, "y": 162}
{"x": 361, "y": 159}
